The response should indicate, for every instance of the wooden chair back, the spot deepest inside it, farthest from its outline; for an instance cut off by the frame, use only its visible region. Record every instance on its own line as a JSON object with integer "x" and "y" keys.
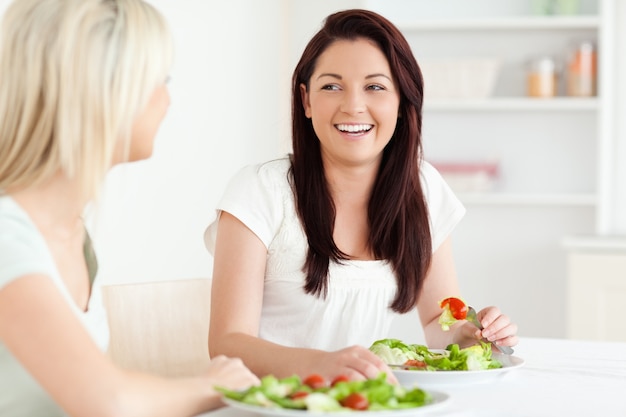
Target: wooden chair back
{"x": 160, "y": 327}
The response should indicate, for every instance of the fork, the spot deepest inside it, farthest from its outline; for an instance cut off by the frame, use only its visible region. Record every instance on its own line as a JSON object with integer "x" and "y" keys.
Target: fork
{"x": 471, "y": 317}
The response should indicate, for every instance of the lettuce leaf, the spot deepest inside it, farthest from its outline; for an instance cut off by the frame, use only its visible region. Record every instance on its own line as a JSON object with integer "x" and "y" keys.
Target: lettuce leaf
{"x": 276, "y": 393}
{"x": 394, "y": 351}
{"x": 446, "y": 319}
{"x": 453, "y": 358}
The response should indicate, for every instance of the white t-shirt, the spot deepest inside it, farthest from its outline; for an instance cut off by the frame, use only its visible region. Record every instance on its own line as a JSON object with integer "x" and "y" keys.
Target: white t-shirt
{"x": 356, "y": 309}
{"x": 23, "y": 251}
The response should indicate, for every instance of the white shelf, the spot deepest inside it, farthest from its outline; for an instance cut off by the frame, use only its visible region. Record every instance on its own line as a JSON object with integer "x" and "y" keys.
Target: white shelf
{"x": 595, "y": 243}
{"x": 513, "y": 104}
{"x": 520, "y": 199}
{"x": 507, "y": 23}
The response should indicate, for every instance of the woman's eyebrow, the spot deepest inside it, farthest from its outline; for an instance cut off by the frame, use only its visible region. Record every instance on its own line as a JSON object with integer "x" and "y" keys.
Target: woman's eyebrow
{"x": 329, "y": 74}
{"x": 378, "y": 75}
{"x": 339, "y": 77}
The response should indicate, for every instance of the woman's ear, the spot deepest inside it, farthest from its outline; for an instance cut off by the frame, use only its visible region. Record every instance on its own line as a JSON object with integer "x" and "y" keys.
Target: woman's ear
{"x": 304, "y": 94}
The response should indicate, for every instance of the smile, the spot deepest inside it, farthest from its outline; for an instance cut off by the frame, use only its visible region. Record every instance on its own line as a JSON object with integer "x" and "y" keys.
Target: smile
{"x": 360, "y": 128}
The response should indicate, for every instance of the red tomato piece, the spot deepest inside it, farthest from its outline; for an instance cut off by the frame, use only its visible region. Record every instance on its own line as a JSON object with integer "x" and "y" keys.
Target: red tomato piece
{"x": 315, "y": 381}
{"x": 340, "y": 378}
{"x": 416, "y": 363}
{"x": 298, "y": 394}
{"x": 355, "y": 401}
{"x": 457, "y": 307}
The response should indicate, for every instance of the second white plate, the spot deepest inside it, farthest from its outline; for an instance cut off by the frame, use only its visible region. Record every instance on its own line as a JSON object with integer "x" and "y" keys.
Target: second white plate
{"x": 428, "y": 379}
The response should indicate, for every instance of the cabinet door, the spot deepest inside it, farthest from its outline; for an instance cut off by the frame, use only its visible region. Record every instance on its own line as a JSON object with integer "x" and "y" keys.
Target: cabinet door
{"x": 596, "y": 294}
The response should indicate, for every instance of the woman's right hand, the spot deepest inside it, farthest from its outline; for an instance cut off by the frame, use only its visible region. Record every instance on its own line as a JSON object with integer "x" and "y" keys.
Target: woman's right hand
{"x": 230, "y": 373}
{"x": 354, "y": 362}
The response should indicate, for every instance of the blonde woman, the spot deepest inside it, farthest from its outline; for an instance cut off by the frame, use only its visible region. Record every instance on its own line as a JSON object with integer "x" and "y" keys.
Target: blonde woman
{"x": 82, "y": 88}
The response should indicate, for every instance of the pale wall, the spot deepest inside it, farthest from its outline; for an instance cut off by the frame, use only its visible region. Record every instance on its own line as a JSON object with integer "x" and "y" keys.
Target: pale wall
{"x": 229, "y": 108}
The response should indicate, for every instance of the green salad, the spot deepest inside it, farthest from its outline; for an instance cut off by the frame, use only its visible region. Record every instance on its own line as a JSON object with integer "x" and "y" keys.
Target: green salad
{"x": 419, "y": 357}
{"x": 315, "y": 394}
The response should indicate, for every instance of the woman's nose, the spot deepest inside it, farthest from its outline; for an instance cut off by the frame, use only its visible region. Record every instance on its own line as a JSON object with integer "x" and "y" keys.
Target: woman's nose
{"x": 353, "y": 102}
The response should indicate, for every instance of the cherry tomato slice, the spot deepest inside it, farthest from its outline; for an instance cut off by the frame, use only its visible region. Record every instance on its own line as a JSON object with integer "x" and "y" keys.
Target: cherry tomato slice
{"x": 415, "y": 363}
{"x": 315, "y": 381}
{"x": 355, "y": 401}
{"x": 457, "y": 307}
{"x": 298, "y": 394}
{"x": 340, "y": 378}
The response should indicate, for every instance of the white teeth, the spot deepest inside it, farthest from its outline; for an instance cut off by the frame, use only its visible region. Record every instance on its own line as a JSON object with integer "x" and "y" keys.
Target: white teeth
{"x": 354, "y": 128}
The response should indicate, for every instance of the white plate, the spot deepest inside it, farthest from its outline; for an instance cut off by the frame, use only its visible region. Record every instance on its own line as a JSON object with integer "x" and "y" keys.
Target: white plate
{"x": 439, "y": 399}
{"x": 427, "y": 379}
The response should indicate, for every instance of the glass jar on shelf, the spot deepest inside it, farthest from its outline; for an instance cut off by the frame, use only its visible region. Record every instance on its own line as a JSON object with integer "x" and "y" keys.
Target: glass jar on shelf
{"x": 582, "y": 70}
{"x": 542, "y": 77}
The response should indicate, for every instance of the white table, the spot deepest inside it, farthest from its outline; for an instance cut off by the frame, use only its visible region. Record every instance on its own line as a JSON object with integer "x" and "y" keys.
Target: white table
{"x": 559, "y": 378}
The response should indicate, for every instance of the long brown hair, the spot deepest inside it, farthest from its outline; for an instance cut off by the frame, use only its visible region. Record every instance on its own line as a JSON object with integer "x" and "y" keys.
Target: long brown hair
{"x": 397, "y": 213}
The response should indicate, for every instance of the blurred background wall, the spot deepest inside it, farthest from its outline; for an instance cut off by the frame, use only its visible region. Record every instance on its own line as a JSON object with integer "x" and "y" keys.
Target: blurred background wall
{"x": 230, "y": 88}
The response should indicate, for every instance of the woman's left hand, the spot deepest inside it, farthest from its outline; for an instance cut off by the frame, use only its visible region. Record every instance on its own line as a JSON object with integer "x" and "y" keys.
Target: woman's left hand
{"x": 497, "y": 328}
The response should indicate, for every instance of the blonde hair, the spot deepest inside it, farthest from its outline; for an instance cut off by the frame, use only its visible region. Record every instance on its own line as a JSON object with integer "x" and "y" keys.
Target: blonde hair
{"x": 73, "y": 76}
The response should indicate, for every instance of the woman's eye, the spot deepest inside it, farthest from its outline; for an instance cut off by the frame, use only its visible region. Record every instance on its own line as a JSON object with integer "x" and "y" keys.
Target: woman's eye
{"x": 330, "y": 87}
{"x": 375, "y": 87}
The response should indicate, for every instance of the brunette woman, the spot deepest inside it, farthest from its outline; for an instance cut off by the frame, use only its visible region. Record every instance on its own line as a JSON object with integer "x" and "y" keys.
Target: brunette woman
{"x": 315, "y": 252}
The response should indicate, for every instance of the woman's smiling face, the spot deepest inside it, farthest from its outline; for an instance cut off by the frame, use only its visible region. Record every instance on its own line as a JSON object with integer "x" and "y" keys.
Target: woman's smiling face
{"x": 352, "y": 101}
